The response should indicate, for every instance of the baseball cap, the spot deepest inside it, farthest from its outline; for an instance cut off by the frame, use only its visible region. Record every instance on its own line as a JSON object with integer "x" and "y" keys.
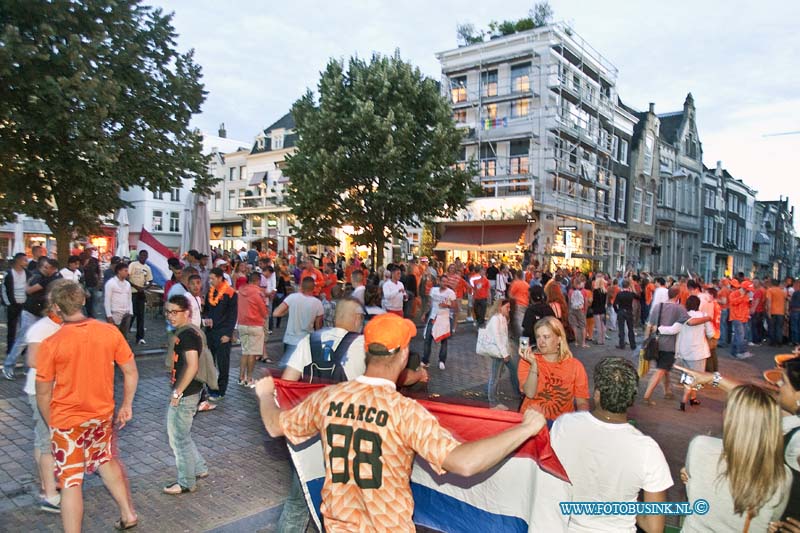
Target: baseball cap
{"x": 384, "y": 334}
{"x": 747, "y": 285}
{"x": 735, "y": 283}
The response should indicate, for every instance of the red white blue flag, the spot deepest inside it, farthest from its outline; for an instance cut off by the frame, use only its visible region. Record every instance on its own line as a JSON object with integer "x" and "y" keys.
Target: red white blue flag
{"x": 157, "y": 255}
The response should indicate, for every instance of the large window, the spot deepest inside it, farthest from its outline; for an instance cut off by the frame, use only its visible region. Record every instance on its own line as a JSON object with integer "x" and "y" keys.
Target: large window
{"x": 519, "y": 108}
{"x": 636, "y": 213}
{"x": 615, "y": 147}
{"x": 174, "y": 221}
{"x": 520, "y": 78}
{"x": 158, "y": 195}
{"x": 489, "y": 112}
{"x": 489, "y": 83}
{"x": 460, "y": 116}
{"x": 710, "y": 198}
{"x": 175, "y": 194}
{"x": 518, "y": 162}
{"x": 158, "y": 220}
{"x": 231, "y": 173}
{"x": 231, "y": 200}
{"x": 217, "y": 201}
{"x": 602, "y": 203}
{"x": 649, "y": 143}
{"x": 488, "y": 155}
{"x": 648, "y": 208}
{"x": 458, "y": 89}
{"x": 277, "y": 141}
{"x": 708, "y": 229}
{"x": 623, "y": 187}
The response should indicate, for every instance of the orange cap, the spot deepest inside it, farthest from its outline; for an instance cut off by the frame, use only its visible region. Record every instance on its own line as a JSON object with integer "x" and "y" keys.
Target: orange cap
{"x": 386, "y": 333}
{"x": 747, "y": 285}
{"x": 735, "y": 283}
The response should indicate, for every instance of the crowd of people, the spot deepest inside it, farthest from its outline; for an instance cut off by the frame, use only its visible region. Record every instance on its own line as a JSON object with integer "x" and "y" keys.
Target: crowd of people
{"x": 350, "y": 324}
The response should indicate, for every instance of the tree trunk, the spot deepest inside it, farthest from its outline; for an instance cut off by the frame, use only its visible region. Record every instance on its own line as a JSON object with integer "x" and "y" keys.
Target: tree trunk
{"x": 379, "y": 245}
{"x": 63, "y": 236}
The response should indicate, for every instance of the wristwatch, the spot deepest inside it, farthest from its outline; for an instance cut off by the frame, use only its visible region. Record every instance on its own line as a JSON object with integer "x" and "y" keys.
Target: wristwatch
{"x": 716, "y": 380}
{"x": 176, "y": 395}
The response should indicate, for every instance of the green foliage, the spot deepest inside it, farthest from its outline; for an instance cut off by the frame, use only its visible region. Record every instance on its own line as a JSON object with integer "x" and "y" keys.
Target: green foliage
{"x": 377, "y": 152}
{"x": 540, "y": 15}
{"x": 95, "y": 99}
{"x": 467, "y": 35}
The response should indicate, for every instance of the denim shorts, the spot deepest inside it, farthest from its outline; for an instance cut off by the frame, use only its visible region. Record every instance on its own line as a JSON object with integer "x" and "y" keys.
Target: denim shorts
{"x": 41, "y": 433}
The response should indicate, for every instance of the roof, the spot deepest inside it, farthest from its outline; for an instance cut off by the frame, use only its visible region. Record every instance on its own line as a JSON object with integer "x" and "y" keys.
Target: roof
{"x": 286, "y": 122}
{"x": 670, "y": 123}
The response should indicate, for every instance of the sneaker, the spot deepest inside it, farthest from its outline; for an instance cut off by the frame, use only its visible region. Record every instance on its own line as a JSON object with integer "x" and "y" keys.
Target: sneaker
{"x": 50, "y": 506}
{"x": 142, "y": 341}
{"x": 241, "y": 382}
{"x": 744, "y": 355}
{"x": 441, "y": 365}
{"x": 202, "y": 475}
{"x": 752, "y": 344}
{"x": 206, "y": 406}
{"x": 215, "y": 397}
{"x": 9, "y": 374}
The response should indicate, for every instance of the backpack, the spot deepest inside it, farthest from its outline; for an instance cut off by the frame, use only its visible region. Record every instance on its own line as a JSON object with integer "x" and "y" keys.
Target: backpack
{"x": 326, "y": 362}
{"x": 794, "y": 495}
{"x": 207, "y": 372}
{"x": 576, "y": 300}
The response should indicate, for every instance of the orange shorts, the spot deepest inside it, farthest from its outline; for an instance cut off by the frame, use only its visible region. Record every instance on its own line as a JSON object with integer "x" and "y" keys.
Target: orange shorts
{"x": 81, "y": 449}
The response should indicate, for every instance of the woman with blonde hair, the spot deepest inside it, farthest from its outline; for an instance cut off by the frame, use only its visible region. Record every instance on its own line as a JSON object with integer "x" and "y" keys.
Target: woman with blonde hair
{"x": 552, "y": 380}
{"x": 742, "y": 476}
{"x": 497, "y": 332}
{"x": 599, "y": 297}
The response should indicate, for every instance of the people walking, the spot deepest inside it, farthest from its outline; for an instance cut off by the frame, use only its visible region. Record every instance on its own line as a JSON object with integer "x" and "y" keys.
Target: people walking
{"x": 139, "y": 276}
{"x": 443, "y": 307}
{"x": 219, "y": 313}
{"x": 497, "y": 333}
{"x": 13, "y": 296}
{"x": 623, "y": 305}
{"x": 117, "y": 300}
{"x": 305, "y": 314}
{"x": 252, "y": 314}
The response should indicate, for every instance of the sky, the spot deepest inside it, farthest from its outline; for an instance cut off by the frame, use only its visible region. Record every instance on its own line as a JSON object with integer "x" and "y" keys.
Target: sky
{"x": 738, "y": 59}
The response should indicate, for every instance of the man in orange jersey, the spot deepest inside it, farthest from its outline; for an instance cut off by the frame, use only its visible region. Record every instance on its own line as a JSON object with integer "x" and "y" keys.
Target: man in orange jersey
{"x": 75, "y": 396}
{"x": 371, "y": 434}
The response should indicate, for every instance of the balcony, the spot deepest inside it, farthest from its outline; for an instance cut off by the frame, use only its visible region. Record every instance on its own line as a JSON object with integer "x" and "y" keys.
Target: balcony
{"x": 487, "y": 93}
{"x": 258, "y": 204}
{"x": 665, "y": 214}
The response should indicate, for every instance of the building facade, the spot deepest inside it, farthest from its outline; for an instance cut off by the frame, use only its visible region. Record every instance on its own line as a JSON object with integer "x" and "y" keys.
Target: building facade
{"x": 678, "y": 215}
{"x": 542, "y": 120}
{"x": 777, "y": 226}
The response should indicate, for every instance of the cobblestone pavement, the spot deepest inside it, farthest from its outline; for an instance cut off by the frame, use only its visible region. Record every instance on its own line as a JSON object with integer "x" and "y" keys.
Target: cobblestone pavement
{"x": 249, "y": 471}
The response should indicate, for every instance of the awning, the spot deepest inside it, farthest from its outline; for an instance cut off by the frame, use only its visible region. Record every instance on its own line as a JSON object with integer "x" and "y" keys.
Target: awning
{"x": 761, "y": 238}
{"x": 257, "y": 179}
{"x": 35, "y": 226}
{"x": 481, "y": 237}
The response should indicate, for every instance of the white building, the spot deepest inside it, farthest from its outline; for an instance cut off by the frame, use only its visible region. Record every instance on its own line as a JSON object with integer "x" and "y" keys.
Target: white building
{"x": 161, "y": 213}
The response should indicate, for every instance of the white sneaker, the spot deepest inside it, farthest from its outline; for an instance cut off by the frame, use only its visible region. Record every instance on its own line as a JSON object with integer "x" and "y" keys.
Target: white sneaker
{"x": 752, "y": 344}
{"x": 744, "y": 355}
{"x": 142, "y": 341}
{"x": 441, "y": 365}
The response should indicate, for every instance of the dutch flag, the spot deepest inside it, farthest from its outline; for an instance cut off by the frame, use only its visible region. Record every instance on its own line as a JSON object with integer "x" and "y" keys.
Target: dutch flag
{"x": 157, "y": 256}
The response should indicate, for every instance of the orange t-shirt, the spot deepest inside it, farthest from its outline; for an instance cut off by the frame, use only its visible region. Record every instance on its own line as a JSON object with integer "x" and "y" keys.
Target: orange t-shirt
{"x": 328, "y": 288}
{"x": 80, "y": 359}
{"x": 559, "y": 385}
{"x": 519, "y": 292}
{"x": 739, "y": 306}
{"x": 319, "y": 279}
{"x": 777, "y": 301}
{"x": 370, "y": 435}
{"x": 648, "y": 293}
{"x": 612, "y": 293}
{"x": 348, "y": 273}
{"x": 723, "y": 294}
{"x": 684, "y": 294}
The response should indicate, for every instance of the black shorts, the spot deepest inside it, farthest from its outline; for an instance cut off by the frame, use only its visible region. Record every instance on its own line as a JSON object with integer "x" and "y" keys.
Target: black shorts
{"x": 665, "y": 360}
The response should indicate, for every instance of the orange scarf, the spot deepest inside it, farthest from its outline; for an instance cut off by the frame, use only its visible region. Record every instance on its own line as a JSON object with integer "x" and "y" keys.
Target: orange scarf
{"x": 216, "y": 293}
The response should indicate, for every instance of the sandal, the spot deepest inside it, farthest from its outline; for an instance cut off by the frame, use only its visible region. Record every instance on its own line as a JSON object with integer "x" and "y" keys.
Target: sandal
{"x": 121, "y": 525}
{"x": 649, "y": 402}
{"x": 206, "y": 406}
{"x": 174, "y": 489}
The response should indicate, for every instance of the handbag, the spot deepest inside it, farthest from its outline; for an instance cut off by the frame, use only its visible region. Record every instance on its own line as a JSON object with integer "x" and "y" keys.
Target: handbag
{"x": 650, "y": 345}
{"x": 486, "y": 345}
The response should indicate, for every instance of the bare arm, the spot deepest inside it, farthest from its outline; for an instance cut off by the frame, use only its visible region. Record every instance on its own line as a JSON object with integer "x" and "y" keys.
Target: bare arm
{"x": 33, "y": 349}
{"x": 33, "y": 289}
{"x": 281, "y": 310}
{"x": 318, "y": 322}
{"x": 270, "y": 412}
{"x": 474, "y": 457}
{"x": 532, "y": 381}
{"x": 290, "y": 374}
{"x": 705, "y": 378}
{"x": 130, "y": 375}
{"x": 652, "y": 523}
{"x": 698, "y": 320}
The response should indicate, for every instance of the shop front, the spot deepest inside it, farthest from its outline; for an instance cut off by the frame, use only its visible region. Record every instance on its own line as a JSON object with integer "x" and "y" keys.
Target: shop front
{"x": 227, "y": 234}
{"x": 480, "y": 242}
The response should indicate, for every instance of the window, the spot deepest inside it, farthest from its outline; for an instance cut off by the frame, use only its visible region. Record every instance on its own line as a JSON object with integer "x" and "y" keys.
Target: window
{"x": 648, "y": 208}
{"x": 489, "y": 83}
{"x": 623, "y": 186}
{"x": 519, "y": 108}
{"x": 623, "y": 151}
{"x": 217, "y": 201}
{"x": 520, "y": 78}
{"x": 157, "y": 223}
{"x": 636, "y": 213}
{"x": 708, "y": 229}
{"x": 174, "y": 222}
{"x": 242, "y": 172}
{"x": 488, "y": 155}
{"x": 231, "y": 199}
{"x": 460, "y": 116}
{"x": 518, "y": 163}
{"x": 614, "y": 146}
{"x": 710, "y": 198}
{"x": 175, "y": 194}
{"x": 648, "y": 154}
{"x": 277, "y": 141}
{"x": 458, "y": 89}
{"x": 490, "y": 112}
{"x": 602, "y": 203}
{"x": 231, "y": 173}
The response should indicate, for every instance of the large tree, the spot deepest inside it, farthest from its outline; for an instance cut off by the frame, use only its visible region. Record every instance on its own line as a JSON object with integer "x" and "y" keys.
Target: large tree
{"x": 378, "y": 151}
{"x": 94, "y": 99}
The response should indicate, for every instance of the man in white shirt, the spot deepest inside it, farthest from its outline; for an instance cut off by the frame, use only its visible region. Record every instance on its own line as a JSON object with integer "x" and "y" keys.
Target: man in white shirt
{"x": 444, "y": 299}
{"x": 357, "y": 278}
{"x": 139, "y": 277}
{"x": 305, "y": 315}
{"x": 660, "y": 295}
{"x": 394, "y": 293}
{"x": 606, "y": 458}
{"x": 117, "y": 299}
{"x": 71, "y": 271}
{"x": 13, "y": 295}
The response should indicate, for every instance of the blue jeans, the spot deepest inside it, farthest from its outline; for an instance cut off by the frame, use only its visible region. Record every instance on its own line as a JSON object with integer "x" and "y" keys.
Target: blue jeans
{"x": 737, "y": 343}
{"x": 724, "y": 328}
{"x": 295, "y": 516}
{"x": 776, "y": 329}
{"x": 794, "y": 322}
{"x": 426, "y": 353}
{"x": 26, "y": 321}
{"x": 179, "y": 430}
{"x": 494, "y": 378}
{"x": 757, "y": 327}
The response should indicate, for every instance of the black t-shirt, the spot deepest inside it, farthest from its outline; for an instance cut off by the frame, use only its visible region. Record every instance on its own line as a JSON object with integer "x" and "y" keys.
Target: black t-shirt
{"x": 187, "y": 340}
{"x": 35, "y": 302}
{"x": 598, "y": 301}
{"x": 533, "y": 313}
{"x": 491, "y": 273}
{"x": 410, "y": 283}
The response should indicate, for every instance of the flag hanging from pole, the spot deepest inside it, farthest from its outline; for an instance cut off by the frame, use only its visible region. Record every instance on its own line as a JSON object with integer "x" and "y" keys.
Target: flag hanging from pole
{"x": 157, "y": 255}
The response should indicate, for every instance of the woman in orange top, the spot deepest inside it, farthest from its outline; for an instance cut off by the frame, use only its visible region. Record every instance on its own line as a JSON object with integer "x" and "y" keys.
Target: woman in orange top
{"x": 552, "y": 380}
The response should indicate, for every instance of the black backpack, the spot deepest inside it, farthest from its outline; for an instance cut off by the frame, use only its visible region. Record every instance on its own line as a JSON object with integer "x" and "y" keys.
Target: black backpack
{"x": 794, "y": 496}
{"x": 326, "y": 362}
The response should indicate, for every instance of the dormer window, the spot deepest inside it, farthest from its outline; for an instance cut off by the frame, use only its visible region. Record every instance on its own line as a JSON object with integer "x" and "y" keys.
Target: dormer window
{"x": 277, "y": 141}
{"x": 260, "y": 142}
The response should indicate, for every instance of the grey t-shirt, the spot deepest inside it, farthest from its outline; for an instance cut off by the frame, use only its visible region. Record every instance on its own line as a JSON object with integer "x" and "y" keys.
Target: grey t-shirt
{"x": 303, "y": 310}
{"x": 669, "y": 313}
{"x": 702, "y": 465}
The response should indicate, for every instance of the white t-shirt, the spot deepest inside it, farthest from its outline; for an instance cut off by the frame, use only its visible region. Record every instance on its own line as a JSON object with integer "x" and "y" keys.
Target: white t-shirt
{"x": 70, "y": 275}
{"x": 354, "y": 361}
{"x": 702, "y": 465}
{"x": 358, "y": 293}
{"x": 303, "y": 311}
{"x": 393, "y": 293}
{"x": 660, "y": 296}
{"x": 607, "y": 463}
{"x": 792, "y": 454}
{"x": 39, "y": 331}
{"x": 439, "y": 297}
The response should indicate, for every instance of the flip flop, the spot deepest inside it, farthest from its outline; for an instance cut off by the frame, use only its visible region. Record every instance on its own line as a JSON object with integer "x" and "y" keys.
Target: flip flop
{"x": 120, "y": 525}
{"x": 206, "y": 406}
